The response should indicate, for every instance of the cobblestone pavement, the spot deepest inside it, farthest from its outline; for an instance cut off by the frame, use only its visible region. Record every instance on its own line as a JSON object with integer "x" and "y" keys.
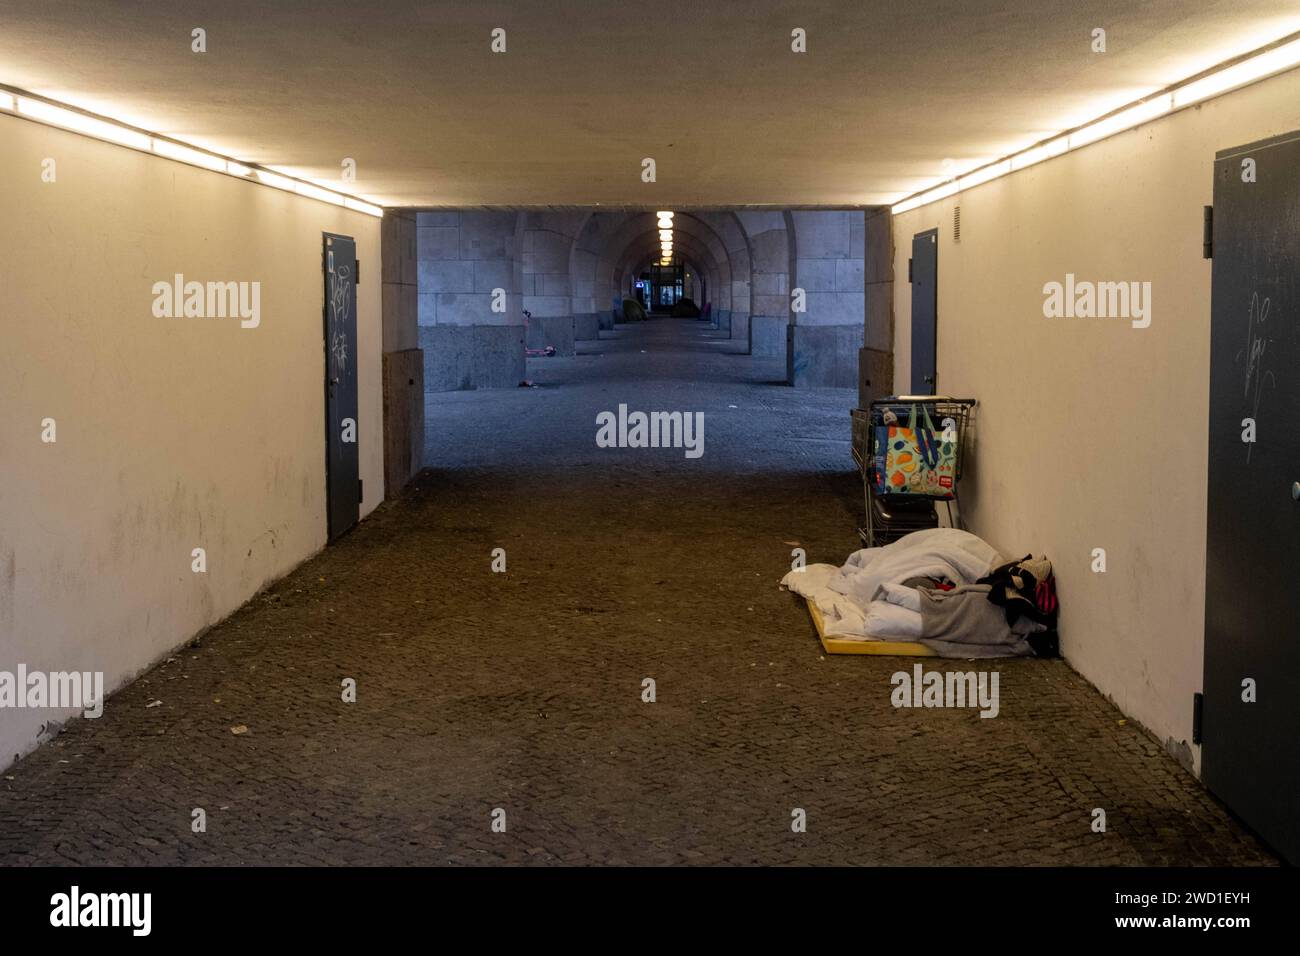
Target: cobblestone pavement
{"x": 522, "y": 690}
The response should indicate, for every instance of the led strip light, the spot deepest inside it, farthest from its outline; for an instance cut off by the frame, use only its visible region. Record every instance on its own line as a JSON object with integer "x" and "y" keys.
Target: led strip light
{"x": 42, "y": 110}
{"x": 1248, "y": 69}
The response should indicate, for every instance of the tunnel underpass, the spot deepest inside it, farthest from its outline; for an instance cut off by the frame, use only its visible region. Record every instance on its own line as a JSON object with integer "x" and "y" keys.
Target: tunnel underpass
{"x": 500, "y": 640}
{"x": 455, "y": 434}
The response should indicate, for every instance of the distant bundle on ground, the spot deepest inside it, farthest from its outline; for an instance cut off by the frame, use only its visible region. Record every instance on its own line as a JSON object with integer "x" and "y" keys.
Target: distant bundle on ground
{"x": 686, "y": 309}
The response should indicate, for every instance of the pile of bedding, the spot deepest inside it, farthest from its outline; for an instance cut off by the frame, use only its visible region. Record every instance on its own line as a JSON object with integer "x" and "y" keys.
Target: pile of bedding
{"x": 941, "y": 587}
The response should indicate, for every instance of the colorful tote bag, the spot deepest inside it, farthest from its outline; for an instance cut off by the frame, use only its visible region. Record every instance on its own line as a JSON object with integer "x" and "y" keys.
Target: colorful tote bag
{"x": 915, "y": 459}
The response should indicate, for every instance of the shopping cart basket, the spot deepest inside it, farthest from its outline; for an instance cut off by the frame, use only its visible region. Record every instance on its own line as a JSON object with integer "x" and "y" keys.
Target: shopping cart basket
{"x": 901, "y": 492}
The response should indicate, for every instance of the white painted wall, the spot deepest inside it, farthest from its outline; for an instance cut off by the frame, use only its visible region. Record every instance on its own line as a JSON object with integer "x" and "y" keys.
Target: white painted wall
{"x": 1092, "y": 434}
{"x": 172, "y": 433}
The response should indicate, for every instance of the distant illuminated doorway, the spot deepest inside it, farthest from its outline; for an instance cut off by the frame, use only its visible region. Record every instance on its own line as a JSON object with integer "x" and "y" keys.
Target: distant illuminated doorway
{"x": 665, "y": 285}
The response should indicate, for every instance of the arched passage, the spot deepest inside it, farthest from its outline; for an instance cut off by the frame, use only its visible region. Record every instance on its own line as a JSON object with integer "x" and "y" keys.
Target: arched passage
{"x": 642, "y": 248}
{"x": 600, "y": 253}
{"x": 570, "y": 269}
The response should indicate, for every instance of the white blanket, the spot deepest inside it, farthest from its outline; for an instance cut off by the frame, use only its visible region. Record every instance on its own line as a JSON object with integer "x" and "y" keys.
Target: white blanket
{"x": 864, "y": 599}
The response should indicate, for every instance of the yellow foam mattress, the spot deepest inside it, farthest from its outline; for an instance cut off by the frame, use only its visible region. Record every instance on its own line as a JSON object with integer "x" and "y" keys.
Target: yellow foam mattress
{"x": 841, "y": 645}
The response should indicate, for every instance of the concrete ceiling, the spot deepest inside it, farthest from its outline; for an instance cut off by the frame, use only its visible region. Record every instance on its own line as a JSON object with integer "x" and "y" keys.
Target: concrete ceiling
{"x": 886, "y": 93}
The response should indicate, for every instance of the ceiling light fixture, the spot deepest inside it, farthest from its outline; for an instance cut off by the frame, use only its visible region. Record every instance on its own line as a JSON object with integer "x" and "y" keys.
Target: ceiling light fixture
{"x": 1053, "y": 147}
{"x": 52, "y": 115}
{"x": 315, "y": 192}
{"x": 276, "y": 180}
{"x": 1247, "y": 71}
{"x": 194, "y": 157}
{"x": 362, "y": 206}
{"x": 1143, "y": 112}
{"x": 665, "y": 237}
{"x": 42, "y": 110}
{"x": 1282, "y": 56}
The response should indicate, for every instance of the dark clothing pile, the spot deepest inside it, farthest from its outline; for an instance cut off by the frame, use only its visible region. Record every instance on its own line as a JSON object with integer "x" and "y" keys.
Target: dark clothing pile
{"x": 1027, "y": 589}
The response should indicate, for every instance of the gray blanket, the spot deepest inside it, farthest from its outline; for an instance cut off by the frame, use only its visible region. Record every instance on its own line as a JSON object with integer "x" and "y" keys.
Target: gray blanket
{"x": 964, "y": 623}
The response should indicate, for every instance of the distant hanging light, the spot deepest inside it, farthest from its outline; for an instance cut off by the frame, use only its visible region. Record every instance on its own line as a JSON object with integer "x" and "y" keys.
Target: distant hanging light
{"x": 665, "y": 237}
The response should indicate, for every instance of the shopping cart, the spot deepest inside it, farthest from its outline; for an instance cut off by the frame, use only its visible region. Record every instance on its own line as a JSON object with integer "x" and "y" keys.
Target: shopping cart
{"x": 940, "y": 420}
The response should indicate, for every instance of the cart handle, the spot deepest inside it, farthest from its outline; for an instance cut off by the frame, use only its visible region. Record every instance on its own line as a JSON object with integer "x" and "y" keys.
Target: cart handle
{"x": 927, "y": 398}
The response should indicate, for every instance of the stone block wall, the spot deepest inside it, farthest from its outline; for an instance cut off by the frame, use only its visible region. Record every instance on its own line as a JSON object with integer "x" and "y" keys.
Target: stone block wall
{"x": 470, "y": 323}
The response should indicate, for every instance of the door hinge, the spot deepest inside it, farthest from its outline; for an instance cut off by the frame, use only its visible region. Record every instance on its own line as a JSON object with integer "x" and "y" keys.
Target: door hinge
{"x": 1198, "y": 715}
{"x": 1207, "y": 234}
{"x": 361, "y": 490}
{"x": 909, "y": 271}
{"x": 356, "y": 271}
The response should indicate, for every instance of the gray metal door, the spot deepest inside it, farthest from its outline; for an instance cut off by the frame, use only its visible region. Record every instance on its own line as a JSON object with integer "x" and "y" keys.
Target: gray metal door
{"x": 342, "y": 462}
{"x": 925, "y": 308}
{"x": 1251, "y": 749}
